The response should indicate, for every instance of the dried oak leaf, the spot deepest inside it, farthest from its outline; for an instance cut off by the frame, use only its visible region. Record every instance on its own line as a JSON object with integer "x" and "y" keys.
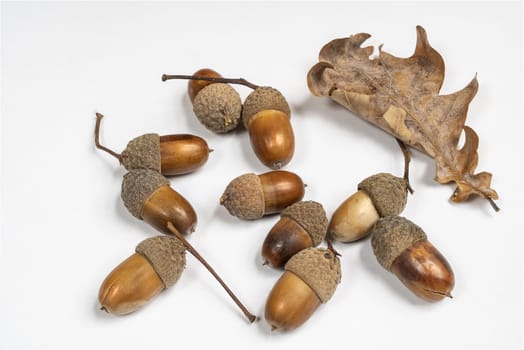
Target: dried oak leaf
{"x": 401, "y": 96}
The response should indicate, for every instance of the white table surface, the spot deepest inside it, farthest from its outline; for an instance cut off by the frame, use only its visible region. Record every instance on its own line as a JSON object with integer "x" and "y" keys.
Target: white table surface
{"x": 64, "y": 228}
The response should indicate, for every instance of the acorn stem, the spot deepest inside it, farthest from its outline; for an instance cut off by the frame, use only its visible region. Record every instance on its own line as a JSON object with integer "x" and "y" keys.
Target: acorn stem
{"x": 493, "y": 204}
{"x": 195, "y": 253}
{"x": 239, "y": 81}
{"x": 330, "y": 247}
{"x": 407, "y": 159}
{"x": 99, "y": 117}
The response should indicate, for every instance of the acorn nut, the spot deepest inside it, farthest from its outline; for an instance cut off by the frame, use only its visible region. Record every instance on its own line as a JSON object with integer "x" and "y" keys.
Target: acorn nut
{"x": 266, "y": 116}
{"x": 252, "y": 196}
{"x": 401, "y": 247}
{"x": 302, "y": 225}
{"x": 171, "y": 155}
{"x": 216, "y": 104}
{"x": 149, "y": 197}
{"x": 310, "y": 278}
{"x": 378, "y": 195}
{"x": 156, "y": 265}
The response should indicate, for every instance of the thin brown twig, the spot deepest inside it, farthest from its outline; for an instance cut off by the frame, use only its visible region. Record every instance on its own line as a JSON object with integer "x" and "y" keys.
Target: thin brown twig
{"x": 252, "y": 318}
{"x": 99, "y": 117}
{"x": 239, "y": 81}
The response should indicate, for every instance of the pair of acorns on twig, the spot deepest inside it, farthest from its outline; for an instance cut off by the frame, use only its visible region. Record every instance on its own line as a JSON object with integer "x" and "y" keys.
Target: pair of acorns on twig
{"x": 311, "y": 273}
{"x": 265, "y": 113}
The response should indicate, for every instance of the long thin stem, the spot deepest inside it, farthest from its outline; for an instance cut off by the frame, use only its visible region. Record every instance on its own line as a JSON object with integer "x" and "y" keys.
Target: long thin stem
{"x": 240, "y": 81}
{"x": 193, "y": 252}
{"x": 99, "y": 117}
{"x": 407, "y": 159}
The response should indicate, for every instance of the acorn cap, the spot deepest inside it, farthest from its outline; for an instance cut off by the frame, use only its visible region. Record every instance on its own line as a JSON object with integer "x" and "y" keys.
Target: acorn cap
{"x": 142, "y": 152}
{"x": 387, "y": 192}
{"x": 319, "y": 268}
{"x": 391, "y": 235}
{"x": 218, "y": 107}
{"x": 137, "y": 186}
{"x": 261, "y": 99}
{"x": 311, "y": 216}
{"x": 167, "y": 255}
{"x": 244, "y": 197}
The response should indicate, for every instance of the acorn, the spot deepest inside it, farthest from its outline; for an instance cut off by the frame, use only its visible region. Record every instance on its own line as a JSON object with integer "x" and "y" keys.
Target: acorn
{"x": 171, "y": 155}
{"x": 402, "y": 248}
{"x": 157, "y": 264}
{"x": 252, "y": 196}
{"x": 310, "y": 278}
{"x": 148, "y": 196}
{"x": 266, "y": 116}
{"x": 378, "y": 195}
{"x": 216, "y": 104}
{"x": 302, "y": 225}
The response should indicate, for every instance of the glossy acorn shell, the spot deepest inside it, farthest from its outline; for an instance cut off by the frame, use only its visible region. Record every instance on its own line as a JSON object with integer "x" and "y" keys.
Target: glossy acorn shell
{"x": 290, "y": 303}
{"x": 424, "y": 271}
{"x": 167, "y": 205}
{"x": 182, "y": 153}
{"x": 284, "y": 240}
{"x": 272, "y": 138}
{"x": 281, "y": 189}
{"x": 129, "y": 286}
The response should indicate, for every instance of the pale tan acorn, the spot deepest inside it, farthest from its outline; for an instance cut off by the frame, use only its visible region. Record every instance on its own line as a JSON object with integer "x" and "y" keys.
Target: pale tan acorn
{"x": 310, "y": 279}
{"x": 252, "y": 196}
{"x": 402, "y": 248}
{"x": 174, "y": 154}
{"x": 266, "y": 116}
{"x": 157, "y": 264}
{"x": 378, "y": 195}
{"x": 148, "y": 196}
{"x": 302, "y": 225}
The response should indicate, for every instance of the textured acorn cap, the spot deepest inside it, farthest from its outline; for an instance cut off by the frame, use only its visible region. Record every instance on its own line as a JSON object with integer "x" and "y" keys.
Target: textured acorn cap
{"x": 319, "y": 268}
{"x": 218, "y": 107}
{"x": 167, "y": 255}
{"x": 261, "y": 99}
{"x": 311, "y": 216}
{"x": 391, "y": 235}
{"x": 387, "y": 192}
{"x": 137, "y": 186}
{"x": 142, "y": 152}
{"x": 244, "y": 197}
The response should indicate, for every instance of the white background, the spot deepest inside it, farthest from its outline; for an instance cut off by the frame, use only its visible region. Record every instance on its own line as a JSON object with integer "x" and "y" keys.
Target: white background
{"x": 64, "y": 228}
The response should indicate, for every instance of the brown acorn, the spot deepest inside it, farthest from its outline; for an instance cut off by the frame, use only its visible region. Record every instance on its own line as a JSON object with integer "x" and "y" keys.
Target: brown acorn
{"x": 310, "y": 278}
{"x": 252, "y": 196}
{"x": 148, "y": 196}
{"x": 302, "y": 225}
{"x": 156, "y": 265}
{"x": 175, "y": 154}
{"x": 378, "y": 195}
{"x": 216, "y": 104}
{"x": 266, "y": 116}
{"x": 401, "y": 247}
{"x": 194, "y": 86}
